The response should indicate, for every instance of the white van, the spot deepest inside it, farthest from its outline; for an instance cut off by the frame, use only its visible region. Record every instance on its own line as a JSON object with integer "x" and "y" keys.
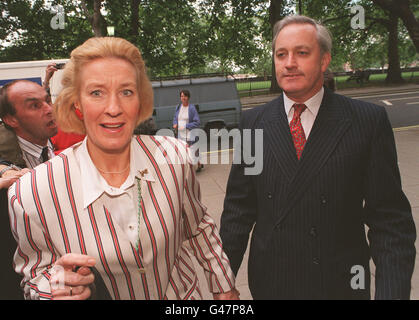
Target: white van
{"x": 31, "y": 70}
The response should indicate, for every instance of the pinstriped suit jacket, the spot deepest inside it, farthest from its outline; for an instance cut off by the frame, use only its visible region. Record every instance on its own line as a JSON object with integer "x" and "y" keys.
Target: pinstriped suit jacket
{"x": 48, "y": 220}
{"x": 309, "y": 216}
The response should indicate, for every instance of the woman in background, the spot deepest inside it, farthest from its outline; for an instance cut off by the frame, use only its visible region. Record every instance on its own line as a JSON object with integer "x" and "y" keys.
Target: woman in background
{"x": 186, "y": 118}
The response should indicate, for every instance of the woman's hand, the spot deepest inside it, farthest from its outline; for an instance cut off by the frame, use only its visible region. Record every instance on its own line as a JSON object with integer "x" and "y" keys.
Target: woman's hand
{"x": 230, "y": 295}
{"x": 71, "y": 277}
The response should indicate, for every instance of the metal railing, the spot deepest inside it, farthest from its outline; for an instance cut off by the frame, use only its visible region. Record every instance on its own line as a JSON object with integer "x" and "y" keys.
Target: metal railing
{"x": 261, "y": 85}
{"x": 255, "y": 85}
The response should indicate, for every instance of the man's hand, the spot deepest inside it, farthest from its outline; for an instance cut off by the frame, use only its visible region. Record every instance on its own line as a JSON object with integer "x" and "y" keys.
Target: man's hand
{"x": 72, "y": 276}
{"x": 49, "y": 72}
{"x": 11, "y": 176}
{"x": 6, "y": 182}
{"x": 230, "y": 295}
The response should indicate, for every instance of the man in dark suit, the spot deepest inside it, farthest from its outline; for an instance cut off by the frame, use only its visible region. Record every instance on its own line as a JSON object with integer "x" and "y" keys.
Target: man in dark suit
{"x": 329, "y": 169}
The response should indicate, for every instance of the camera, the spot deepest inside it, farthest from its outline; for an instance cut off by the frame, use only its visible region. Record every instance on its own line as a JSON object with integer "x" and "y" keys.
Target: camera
{"x": 59, "y": 65}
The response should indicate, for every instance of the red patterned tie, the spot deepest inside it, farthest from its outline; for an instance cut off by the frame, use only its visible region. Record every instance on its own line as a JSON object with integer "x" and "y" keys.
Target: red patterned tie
{"x": 297, "y": 130}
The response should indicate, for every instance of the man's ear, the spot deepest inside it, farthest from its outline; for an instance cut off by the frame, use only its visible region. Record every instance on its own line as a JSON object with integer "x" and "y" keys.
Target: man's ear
{"x": 327, "y": 57}
{"x": 11, "y": 121}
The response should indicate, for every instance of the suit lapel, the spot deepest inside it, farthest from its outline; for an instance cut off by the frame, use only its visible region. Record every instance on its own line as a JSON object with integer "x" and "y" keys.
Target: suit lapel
{"x": 279, "y": 140}
{"x": 331, "y": 123}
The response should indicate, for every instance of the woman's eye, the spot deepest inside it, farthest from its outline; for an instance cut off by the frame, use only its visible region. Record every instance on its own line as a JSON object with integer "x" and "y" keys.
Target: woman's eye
{"x": 95, "y": 93}
{"x": 127, "y": 92}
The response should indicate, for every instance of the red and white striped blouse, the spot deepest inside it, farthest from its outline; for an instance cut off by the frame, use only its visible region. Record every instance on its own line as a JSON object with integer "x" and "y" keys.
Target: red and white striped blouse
{"x": 48, "y": 220}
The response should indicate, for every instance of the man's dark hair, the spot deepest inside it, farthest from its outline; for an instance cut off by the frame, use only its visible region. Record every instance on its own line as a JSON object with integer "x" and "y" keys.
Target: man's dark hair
{"x": 6, "y": 107}
{"x": 185, "y": 93}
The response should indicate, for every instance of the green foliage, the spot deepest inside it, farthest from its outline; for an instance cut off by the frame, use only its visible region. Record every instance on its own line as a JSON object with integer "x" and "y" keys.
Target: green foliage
{"x": 360, "y": 48}
{"x": 195, "y": 36}
{"x": 25, "y": 26}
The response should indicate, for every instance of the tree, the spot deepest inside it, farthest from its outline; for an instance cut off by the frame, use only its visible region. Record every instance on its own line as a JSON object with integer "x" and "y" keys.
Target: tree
{"x": 402, "y": 9}
{"x": 135, "y": 18}
{"x": 394, "y": 74}
{"x": 363, "y": 48}
{"x": 25, "y": 26}
{"x": 276, "y": 13}
{"x": 95, "y": 18}
{"x": 198, "y": 36}
{"x": 233, "y": 29}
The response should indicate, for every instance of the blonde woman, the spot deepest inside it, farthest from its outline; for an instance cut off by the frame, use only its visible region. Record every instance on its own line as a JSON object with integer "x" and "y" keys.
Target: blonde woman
{"x": 107, "y": 203}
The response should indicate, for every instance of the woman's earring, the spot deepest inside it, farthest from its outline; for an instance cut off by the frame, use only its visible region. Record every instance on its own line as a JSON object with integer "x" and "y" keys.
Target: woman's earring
{"x": 78, "y": 113}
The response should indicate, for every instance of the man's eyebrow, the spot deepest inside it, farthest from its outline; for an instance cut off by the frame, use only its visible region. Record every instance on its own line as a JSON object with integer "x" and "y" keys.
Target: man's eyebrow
{"x": 30, "y": 99}
{"x": 302, "y": 47}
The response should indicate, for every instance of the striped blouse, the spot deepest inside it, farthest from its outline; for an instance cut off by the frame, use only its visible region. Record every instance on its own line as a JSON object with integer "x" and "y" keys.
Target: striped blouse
{"x": 48, "y": 220}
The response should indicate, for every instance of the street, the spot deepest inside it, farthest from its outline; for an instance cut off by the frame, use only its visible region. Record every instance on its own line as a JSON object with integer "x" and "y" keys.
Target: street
{"x": 402, "y": 105}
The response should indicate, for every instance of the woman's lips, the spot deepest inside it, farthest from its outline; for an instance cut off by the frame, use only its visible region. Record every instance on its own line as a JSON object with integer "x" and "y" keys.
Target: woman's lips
{"x": 112, "y": 127}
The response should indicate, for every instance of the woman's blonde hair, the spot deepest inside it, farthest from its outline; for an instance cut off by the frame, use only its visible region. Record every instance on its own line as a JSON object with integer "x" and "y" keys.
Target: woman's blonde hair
{"x": 94, "y": 48}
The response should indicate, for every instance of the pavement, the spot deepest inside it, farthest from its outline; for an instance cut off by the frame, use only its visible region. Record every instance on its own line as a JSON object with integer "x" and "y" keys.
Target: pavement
{"x": 213, "y": 181}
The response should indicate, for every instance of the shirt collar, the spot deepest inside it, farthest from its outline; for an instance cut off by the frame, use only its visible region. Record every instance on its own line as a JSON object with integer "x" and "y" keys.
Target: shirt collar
{"x": 32, "y": 148}
{"x": 313, "y": 104}
{"x": 94, "y": 185}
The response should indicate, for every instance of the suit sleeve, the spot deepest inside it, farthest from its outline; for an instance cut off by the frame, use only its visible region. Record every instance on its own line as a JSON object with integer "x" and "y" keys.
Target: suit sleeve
{"x": 5, "y": 162}
{"x": 203, "y": 239}
{"x": 392, "y": 231}
{"x": 240, "y": 208}
{"x": 32, "y": 259}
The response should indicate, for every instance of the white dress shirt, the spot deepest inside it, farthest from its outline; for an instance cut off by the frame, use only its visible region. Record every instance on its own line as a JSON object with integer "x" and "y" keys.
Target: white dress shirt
{"x": 31, "y": 152}
{"x": 95, "y": 188}
{"x": 309, "y": 115}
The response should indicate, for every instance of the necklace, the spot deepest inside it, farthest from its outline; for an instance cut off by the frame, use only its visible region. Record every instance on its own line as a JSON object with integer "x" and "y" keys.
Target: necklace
{"x": 113, "y": 172}
{"x": 140, "y": 211}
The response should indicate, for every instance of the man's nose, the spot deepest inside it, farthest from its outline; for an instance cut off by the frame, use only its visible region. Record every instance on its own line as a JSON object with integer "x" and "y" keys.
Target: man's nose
{"x": 291, "y": 61}
{"x": 47, "y": 107}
